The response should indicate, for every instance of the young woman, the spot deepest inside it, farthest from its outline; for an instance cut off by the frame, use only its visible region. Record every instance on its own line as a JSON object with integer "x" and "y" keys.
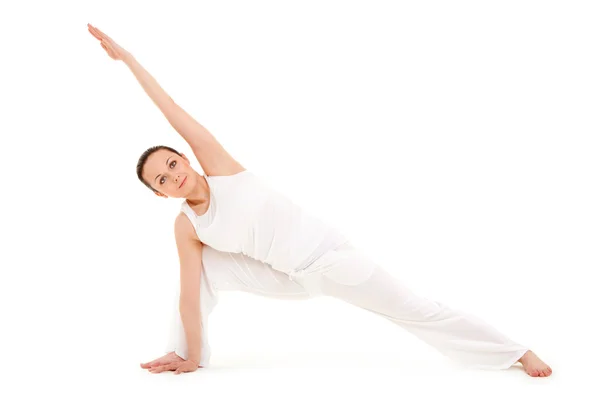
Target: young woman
{"x": 231, "y": 220}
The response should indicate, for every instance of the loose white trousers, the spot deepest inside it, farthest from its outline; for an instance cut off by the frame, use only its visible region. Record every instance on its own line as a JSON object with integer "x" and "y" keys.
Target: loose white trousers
{"x": 345, "y": 273}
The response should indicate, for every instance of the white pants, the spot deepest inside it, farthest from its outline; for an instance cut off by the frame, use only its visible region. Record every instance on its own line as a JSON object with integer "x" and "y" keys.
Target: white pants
{"x": 345, "y": 273}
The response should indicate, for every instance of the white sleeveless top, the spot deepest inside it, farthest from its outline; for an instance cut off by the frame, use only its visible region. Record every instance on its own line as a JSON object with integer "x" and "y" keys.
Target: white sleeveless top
{"x": 247, "y": 216}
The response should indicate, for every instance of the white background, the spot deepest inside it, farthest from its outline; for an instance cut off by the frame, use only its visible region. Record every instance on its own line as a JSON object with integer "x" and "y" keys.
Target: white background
{"x": 455, "y": 142}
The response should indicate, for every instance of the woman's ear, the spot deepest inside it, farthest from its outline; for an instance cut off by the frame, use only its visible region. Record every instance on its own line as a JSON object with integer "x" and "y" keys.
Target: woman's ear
{"x": 185, "y": 158}
{"x": 161, "y": 195}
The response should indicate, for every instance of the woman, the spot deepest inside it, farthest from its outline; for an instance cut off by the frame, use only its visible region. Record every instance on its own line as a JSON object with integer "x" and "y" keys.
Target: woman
{"x": 232, "y": 214}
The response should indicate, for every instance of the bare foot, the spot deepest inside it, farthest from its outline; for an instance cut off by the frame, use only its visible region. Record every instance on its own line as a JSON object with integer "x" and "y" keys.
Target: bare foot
{"x": 534, "y": 366}
{"x": 166, "y": 359}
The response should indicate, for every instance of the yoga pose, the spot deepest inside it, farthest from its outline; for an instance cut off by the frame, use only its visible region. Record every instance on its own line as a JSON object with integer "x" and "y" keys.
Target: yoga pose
{"x": 236, "y": 232}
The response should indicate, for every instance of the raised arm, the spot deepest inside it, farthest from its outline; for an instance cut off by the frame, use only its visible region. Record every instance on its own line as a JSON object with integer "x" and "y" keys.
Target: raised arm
{"x": 212, "y": 156}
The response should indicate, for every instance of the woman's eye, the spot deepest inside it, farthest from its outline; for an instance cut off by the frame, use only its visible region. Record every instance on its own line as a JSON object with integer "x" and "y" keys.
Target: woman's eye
{"x": 172, "y": 166}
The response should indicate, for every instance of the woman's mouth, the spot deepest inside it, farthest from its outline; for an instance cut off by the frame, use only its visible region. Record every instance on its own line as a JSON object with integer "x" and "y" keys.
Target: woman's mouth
{"x": 184, "y": 179}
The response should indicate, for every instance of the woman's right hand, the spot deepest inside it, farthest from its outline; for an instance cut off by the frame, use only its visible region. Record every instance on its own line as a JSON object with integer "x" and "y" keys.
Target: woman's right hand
{"x": 164, "y": 360}
{"x": 115, "y": 51}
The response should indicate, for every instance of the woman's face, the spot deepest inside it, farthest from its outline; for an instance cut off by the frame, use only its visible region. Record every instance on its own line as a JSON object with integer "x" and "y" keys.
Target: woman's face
{"x": 169, "y": 174}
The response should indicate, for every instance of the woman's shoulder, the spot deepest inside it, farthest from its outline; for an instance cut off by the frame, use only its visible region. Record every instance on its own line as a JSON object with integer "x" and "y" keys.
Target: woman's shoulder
{"x": 184, "y": 226}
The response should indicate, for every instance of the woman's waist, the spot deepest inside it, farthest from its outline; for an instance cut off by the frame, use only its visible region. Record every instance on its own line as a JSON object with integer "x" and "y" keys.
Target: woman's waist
{"x": 294, "y": 258}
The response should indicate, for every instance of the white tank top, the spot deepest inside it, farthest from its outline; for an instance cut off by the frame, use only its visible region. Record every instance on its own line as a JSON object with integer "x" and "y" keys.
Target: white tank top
{"x": 247, "y": 216}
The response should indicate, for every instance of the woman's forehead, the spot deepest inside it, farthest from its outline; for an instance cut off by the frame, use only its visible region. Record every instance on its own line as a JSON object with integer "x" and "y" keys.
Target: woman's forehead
{"x": 158, "y": 162}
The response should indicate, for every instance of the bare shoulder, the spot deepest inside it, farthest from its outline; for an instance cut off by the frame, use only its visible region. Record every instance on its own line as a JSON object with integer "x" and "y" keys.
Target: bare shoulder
{"x": 184, "y": 230}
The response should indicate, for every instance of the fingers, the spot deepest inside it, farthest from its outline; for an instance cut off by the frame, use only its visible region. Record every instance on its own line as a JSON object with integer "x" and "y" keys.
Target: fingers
{"x": 150, "y": 364}
{"x": 94, "y": 32}
{"x": 168, "y": 367}
{"x": 177, "y": 366}
{"x": 101, "y": 34}
{"x": 105, "y": 47}
{"x": 109, "y": 50}
{"x": 98, "y": 34}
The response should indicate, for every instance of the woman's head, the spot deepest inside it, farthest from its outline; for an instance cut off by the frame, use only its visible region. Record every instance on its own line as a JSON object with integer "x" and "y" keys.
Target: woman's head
{"x": 163, "y": 170}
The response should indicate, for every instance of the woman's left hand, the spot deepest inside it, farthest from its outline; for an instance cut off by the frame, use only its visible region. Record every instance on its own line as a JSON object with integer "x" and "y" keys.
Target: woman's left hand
{"x": 177, "y": 366}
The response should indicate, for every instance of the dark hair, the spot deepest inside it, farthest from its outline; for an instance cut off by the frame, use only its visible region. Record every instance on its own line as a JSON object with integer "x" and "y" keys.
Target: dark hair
{"x": 144, "y": 158}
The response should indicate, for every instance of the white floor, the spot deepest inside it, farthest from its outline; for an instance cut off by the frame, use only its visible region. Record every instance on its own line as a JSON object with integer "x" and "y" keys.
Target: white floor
{"x": 295, "y": 375}
{"x": 300, "y": 356}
